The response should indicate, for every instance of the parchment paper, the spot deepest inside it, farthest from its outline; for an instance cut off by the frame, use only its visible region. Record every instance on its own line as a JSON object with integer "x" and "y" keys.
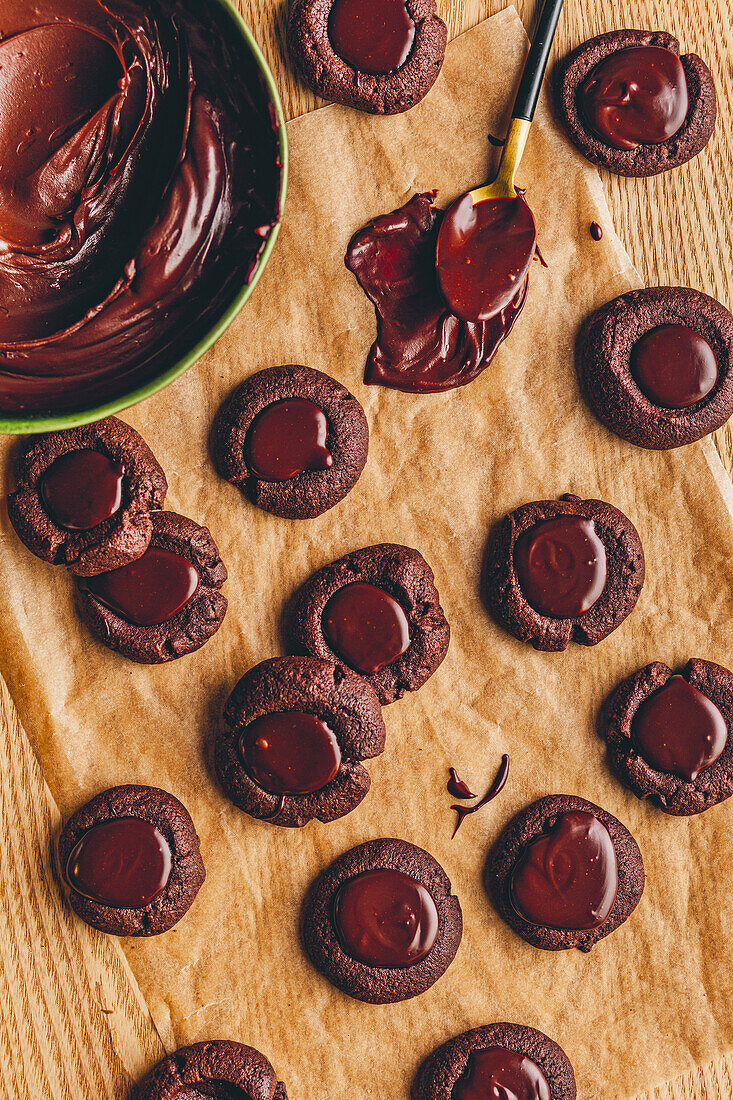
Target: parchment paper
{"x": 654, "y": 998}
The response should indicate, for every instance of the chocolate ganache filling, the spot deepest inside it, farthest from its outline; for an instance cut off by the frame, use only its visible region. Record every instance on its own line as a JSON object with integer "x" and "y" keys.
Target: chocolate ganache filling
{"x": 139, "y": 181}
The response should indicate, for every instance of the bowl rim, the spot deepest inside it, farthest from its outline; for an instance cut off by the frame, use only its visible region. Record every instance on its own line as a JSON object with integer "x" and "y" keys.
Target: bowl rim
{"x": 23, "y": 424}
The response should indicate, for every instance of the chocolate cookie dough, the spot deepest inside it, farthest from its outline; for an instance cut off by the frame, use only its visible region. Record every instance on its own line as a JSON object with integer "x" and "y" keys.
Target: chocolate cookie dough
{"x": 376, "y": 611}
{"x": 668, "y": 735}
{"x": 600, "y": 885}
{"x": 655, "y": 366}
{"x": 83, "y": 497}
{"x": 296, "y": 730}
{"x": 632, "y": 105}
{"x": 562, "y": 571}
{"x": 131, "y": 860}
{"x": 495, "y": 1061}
{"x": 164, "y": 605}
{"x": 294, "y": 440}
{"x": 218, "y": 1068}
{"x": 381, "y": 56}
{"x": 381, "y": 923}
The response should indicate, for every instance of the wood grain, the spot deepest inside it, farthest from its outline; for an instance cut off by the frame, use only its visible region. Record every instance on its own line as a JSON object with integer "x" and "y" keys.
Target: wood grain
{"x": 72, "y": 1023}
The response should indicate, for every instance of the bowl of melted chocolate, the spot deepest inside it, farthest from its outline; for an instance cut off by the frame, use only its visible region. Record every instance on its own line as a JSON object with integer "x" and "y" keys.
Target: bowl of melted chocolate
{"x": 143, "y": 165}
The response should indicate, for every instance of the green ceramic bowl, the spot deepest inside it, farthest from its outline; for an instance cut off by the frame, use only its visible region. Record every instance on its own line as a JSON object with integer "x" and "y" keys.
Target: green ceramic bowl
{"x": 25, "y": 424}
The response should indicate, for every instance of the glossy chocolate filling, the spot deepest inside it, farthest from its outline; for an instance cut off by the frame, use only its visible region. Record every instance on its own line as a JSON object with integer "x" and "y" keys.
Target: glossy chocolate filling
{"x": 679, "y": 730}
{"x": 124, "y": 863}
{"x": 82, "y": 489}
{"x": 500, "y": 1074}
{"x": 372, "y": 36}
{"x": 287, "y": 438}
{"x": 386, "y": 918}
{"x": 149, "y": 591}
{"x": 366, "y": 627}
{"x": 568, "y": 877}
{"x": 637, "y": 96}
{"x": 290, "y": 752}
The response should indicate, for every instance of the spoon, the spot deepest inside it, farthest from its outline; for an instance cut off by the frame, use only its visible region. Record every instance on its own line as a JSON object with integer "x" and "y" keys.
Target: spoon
{"x": 488, "y": 236}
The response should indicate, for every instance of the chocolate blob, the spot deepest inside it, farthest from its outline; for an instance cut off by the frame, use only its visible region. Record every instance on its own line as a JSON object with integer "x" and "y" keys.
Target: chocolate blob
{"x": 373, "y": 36}
{"x": 124, "y": 863}
{"x": 500, "y": 1074}
{"x": 287, "y": 438}
{"x": 458, "y": 787}
{"x": 679, "y": 730}
{"x": 290, "y": 752}
{"x": 637, "y": 96}
{"x": 421, "y": 346}
{"x": 149, "y": 591}
{"x": 82, "y": 489}
{"x": 569, "y": 878}
{"x": 385, "y": 918}
{"x": 366, "y": 627}
{"x": 484, "y": 253}
{"x": 139, "y": 182}
{"x": 674, "y": 366}
{"x": 561, "y": 566}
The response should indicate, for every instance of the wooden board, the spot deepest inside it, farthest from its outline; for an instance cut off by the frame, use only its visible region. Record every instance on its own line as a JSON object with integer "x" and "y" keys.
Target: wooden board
{"x": 72, "y": 1024}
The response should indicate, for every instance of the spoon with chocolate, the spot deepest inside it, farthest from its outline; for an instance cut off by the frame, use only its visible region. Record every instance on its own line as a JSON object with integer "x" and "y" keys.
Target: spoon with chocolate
{"x": 488, "y": 236}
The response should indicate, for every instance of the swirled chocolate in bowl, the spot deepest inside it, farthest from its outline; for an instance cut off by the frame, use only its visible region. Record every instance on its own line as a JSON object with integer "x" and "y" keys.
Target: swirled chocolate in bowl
{"x": 139, "y": 182}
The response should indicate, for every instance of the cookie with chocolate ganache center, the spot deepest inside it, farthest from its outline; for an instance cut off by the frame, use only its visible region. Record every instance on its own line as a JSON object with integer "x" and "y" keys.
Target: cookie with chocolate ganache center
{"x": 562, "y": 571}
{"x": 296, "y": 731}
{"x": 668, "y": 735}
{"x": 83, "y": 496}
{"x": 293, "y": 440}
{"x": 376, "y": 612}
{"x": 630, "y": 103}
{"x": 164, "y": 605}
{"x": 381, "y": 923}
{"x": 131, "y": 860}
{"x": 495, "y": 1061}
{"x": 655, "y": 366}
{"x": 218, "y": 1068}
{"x": 564, "y": 873}
{"x": 380, "y": 56}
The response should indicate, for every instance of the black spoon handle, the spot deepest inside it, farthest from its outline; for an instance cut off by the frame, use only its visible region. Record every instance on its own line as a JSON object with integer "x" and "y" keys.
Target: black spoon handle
{"x": 536, "y": 63}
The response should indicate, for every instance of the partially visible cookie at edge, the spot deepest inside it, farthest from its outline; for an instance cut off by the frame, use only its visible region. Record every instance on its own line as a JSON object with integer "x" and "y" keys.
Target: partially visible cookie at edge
{"x": 383, "y": 93}
{"x": 238, "y": 1069}
{"x": 459, "y": 1058}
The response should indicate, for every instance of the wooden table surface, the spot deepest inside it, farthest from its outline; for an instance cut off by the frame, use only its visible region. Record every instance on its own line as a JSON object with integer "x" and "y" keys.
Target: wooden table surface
{"x": 72, "y": 1024}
